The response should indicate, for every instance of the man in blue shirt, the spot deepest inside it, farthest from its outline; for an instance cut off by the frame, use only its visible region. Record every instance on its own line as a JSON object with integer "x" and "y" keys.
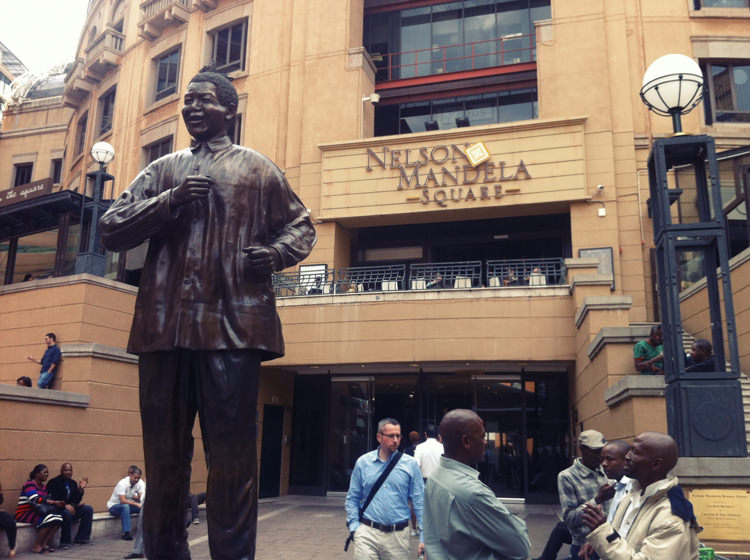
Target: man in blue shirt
{"x": 49, "y": 361}
{"x": 379, "y": 532}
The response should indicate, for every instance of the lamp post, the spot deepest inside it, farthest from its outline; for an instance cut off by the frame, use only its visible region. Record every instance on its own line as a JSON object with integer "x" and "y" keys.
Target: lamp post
{"x": 91, "y": 257}
{"x": 704, "y": 409}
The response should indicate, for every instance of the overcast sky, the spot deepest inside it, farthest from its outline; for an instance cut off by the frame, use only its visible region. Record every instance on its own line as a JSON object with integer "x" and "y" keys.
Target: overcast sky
{"x": 42, "y": 33}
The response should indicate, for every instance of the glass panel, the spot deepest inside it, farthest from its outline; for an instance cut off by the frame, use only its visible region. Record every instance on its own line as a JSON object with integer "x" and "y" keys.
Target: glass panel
{"x": 482, "y": 109}
{"x": 513, "y": 25}
{"x": 725, "y": 3}
{"x": 71, "y": 249}
{"x": 235, "y": 47}
{"x": 350, "y": 434}
{"x": 479, "y": 32}
{"x": 36, "y": 255}
{"x": 446, "y": 111}
{"x": 414, "y": 116}
{"x": 741, "y": 76}
{"x": 722, "y": 87}
{"x": 222, "y": 40}
{"x": 517, "y": 105}
{"x": 446, "y": 31}
{"x": 415, "y": 35}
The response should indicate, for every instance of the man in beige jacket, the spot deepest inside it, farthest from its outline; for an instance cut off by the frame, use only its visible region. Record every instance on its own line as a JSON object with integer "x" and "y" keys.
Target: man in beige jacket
{"x": 654, "y": 521}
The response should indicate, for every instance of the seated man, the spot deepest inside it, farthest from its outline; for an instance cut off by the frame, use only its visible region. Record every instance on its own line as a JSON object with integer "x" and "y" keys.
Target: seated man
{"x": 127, "y": 498}
{"x": 654, "y": 520}
{"x": 67, "y": 490}
{"x": 701, "y": 357}
{"x": 648, "y": 354}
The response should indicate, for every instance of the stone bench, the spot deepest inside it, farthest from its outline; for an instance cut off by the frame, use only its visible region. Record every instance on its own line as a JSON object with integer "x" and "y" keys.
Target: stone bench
{"x": 103, "y": 526}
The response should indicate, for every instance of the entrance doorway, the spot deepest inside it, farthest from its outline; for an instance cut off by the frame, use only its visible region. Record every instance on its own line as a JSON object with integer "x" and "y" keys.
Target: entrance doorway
{"x": 525, "y": 417}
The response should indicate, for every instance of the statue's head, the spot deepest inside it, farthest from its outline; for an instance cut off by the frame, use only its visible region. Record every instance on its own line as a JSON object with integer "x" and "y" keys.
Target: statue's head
{"x": 210, "y": 105}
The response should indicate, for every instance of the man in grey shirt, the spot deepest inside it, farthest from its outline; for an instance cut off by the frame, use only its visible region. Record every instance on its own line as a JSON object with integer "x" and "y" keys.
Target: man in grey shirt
{"x": 463, "y": 520}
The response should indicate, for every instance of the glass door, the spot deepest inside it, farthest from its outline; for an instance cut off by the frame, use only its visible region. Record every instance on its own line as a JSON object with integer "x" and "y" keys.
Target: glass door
{"x": 351, "y": 432}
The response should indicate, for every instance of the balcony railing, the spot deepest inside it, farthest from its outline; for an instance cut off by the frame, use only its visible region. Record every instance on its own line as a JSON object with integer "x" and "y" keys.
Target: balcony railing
{"x": 503, "y": 51}
{"x": 423, "y": 276}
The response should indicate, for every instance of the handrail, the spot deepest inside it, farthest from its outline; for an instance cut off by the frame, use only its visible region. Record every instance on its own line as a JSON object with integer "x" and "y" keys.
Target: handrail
{"x": 502, "y": 51}
{"x": 423, "y": 276}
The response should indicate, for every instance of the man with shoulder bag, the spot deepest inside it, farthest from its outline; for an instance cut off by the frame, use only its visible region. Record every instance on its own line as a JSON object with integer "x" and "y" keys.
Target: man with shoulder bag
{"x": 377, "y": 504}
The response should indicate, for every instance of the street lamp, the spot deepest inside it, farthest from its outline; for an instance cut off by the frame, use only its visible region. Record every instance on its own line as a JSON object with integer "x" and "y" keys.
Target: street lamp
{"x": 91, "y": 258}
{"x": 672, "y": 86}
{"x": 704, "y": 409}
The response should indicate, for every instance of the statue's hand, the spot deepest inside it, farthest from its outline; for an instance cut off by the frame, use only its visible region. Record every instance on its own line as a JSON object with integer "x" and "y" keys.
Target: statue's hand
{"x": 194, "y": 187}
{"x": 263, "y": 260}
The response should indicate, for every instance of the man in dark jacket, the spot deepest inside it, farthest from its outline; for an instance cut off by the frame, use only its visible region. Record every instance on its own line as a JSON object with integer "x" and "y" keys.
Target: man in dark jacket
{"x": 220, "y": 219}
{"x": 64, "y": 488}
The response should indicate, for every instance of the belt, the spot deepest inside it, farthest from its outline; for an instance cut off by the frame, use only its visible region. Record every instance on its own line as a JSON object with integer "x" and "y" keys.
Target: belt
{"x": 385, "y": 528}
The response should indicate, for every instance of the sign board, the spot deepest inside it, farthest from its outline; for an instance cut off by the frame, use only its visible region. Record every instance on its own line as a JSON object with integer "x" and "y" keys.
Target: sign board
{"x": 25, "y": 192}
{"x": 724, "y": 514}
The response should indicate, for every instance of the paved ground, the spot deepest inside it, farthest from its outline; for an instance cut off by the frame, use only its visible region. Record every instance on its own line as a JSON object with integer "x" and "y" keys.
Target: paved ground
{"x": 295, "y": 528}
{"x": 299, "y": 528}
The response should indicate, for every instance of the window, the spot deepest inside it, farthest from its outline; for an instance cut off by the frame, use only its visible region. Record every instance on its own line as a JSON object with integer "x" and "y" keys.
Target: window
{"x": 453, "y": 112}
{"x": 22, "y": 172}
{"x": 167, "y": 68}
{"x": 158, "y": 149}
{"x": 727, "y": 91}
{"x": 81, "y": 134}
{"x": 235, "y": 130}
{"x": 107, "y": 108}
{"x": 56, "y": 171}
{"x": 229, "y": 47}
{"x": 452, "y": 37}
{"x": 721, "y": 4}
{"x": 5, "y": 79}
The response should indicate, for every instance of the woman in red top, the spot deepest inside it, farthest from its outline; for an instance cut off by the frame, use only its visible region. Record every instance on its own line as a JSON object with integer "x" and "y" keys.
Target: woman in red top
{"x": 35, "y": 492}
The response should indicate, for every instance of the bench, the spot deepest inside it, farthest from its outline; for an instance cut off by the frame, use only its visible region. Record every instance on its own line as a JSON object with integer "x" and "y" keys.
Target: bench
{"x": 104, "y": 525}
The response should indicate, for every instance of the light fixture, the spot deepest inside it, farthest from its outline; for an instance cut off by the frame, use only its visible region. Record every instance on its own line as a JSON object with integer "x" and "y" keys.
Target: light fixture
{"x": 103, "y": 153}
{"x": 672, "y": 86}
{"x": 373, "y": 98}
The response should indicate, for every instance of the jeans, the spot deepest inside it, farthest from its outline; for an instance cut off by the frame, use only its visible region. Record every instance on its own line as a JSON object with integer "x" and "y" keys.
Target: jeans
{"x": 85, "y": 514}
{"x": 45, "y": 379}
{"x": 123, "y": 511}
{"x": 138, "y": 543}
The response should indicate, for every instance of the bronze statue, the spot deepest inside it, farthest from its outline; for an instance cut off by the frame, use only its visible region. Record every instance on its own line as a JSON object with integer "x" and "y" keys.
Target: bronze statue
{"x": 220, "y": 219}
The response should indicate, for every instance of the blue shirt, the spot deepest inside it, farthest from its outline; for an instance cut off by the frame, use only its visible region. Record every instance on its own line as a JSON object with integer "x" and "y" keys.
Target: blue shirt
{"x": 391, "y": 503}
{"x": 51, "y": 356}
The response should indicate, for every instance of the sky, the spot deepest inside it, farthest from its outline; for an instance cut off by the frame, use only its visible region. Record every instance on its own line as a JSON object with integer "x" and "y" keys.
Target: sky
{"x": 42, "y": 33}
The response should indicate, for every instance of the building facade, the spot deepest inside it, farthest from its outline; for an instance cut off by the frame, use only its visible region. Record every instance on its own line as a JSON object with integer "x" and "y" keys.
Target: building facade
{"x": 476, "y": 170}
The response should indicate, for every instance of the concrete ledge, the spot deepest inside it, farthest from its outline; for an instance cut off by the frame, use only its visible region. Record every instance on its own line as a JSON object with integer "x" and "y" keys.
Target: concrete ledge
{"x": 635, "y": 386}
{"x": 43, "y": 396}
{"x": 104, "y": 526}
{"x": 590, "y": 280}
{"x": 67, "y": 281}
{"x": 587, "y": 262}
{"x": 601, "y": 303}
{"x": 101, "y": 351}
{"x": 616, "y": 335}
{"x": 713, "y": 471}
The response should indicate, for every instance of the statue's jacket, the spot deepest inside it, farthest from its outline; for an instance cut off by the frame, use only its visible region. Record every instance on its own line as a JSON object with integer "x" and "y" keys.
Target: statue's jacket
{"x": 197, "y": 290}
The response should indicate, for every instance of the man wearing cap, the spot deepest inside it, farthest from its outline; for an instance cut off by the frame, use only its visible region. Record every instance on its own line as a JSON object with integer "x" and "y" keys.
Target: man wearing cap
{"x": 583, "y": 482}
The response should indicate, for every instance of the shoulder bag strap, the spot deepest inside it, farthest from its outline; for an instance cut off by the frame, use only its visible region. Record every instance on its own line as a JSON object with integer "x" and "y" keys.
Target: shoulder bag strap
{"x": 379, "y": 482}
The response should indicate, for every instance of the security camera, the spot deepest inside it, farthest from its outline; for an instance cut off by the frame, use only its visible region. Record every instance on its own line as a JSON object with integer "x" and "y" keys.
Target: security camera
{"x": 600, "y": 188}
{"x": 375, "y": 98}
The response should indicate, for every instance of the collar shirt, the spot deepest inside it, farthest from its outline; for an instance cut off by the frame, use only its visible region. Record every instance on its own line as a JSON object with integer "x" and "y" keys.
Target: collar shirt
{"x": 197, "y": 290}
{"x": 427, "y": 454}
{"x": 391, "y": 503}
{"x": 464, "y": 520}
{"x": 578, "y": 485}
{"x": 622, "y": 487}
{"x": 52, "y": 355}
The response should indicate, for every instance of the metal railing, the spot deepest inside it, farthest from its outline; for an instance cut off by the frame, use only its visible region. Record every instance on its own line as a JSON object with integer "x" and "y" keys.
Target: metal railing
{"x": 503, "y": 51}
{"x": 154, "y": 7}
{"x": 525, "y": 272}
{"x": 422, "y": 276}
{"x": 445, "y": 275}
{"x": 371, "y": 279}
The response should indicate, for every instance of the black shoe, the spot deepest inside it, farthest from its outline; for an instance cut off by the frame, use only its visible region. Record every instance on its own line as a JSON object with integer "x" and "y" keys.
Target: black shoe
{"x": 127, "y": 537}
{"x": 83, "y": 541}
{"x": 133, "y": 555}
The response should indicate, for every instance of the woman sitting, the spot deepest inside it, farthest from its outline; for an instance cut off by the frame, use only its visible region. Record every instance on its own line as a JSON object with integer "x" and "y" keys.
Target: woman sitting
{"x": 9, "y": 524}
{"x": 34, "y": 507}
